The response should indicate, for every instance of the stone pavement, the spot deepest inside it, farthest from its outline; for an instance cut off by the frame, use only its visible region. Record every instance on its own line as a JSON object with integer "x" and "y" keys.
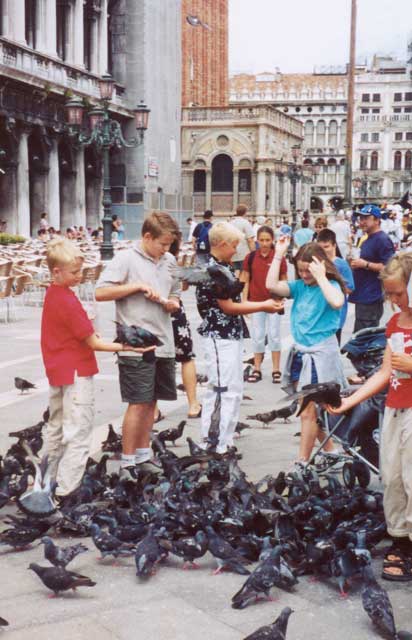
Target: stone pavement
{"x": 174, "y": 604}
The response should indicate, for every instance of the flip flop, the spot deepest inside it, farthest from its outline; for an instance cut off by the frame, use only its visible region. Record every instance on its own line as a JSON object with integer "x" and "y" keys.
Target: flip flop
{"x": 195, "y": 415}
{"x": 255, "y": 376}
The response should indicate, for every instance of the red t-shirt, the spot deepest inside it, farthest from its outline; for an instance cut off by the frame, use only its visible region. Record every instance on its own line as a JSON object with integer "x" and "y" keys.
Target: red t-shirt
{"x": 400, "y": 389}
{"x": 258, "y": 273}
{"x": 64, "y": 327}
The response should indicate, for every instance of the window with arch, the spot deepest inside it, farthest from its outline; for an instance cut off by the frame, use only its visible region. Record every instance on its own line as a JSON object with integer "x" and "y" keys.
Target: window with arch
{"x": 62, "y": 23}
{"x": 374, "y": 160}
{"x": 199, "y": 181}
{"x": 222, "y": 173}
{"x": 343, "y": 133}
{"x": 321, "y": 133}
{"x": 333, "y": 133}
{"x": 309, "y": 130}
{"x": 408, "y": 160}
{"x": 397, "y": 160}
{"x": 363, "y": 160}
{"x": 245, "y": 180}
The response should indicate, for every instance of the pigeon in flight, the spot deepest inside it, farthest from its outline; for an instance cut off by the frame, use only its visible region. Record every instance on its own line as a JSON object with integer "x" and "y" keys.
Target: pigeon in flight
{"x": 194, "y": 21}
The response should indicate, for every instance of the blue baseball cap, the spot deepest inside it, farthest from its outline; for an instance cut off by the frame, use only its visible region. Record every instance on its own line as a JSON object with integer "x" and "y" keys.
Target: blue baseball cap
{"x": 371, "y": 210}
{"x": 285, "y": 230}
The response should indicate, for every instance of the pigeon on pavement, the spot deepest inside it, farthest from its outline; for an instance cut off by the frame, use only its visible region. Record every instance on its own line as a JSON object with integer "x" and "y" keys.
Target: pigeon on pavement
{"x": 58, "y": 579}
{"x": 59, "y": 556}
{"x": 377, "y": 605}
{"x": 23, "y": 385}
{"x": 275, "y": 631}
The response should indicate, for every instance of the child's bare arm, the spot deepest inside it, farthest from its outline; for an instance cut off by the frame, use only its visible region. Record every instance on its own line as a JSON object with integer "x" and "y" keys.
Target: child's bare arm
{"x": 118, "y": 291}
{"x": 274, "y": 283}
{"x": 243, "y": 308}
{"x": 245, "y": 277}
{"x": 97, "y": 344}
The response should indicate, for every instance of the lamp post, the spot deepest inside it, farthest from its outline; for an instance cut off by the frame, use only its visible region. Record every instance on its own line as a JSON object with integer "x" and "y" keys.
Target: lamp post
{"x": 294, "y": 175}
{"x": 362, "y": 186}
{"x": 104, "y": 133}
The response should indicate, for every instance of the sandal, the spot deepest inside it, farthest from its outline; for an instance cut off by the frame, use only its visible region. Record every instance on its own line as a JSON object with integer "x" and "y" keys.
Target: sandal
{"x": 276, "y": 377}
{"x": 159, "y": 417}
{"x": 195, "y": 415}
{"x": 403, "y": 570}
{"x": 255, "y": 376}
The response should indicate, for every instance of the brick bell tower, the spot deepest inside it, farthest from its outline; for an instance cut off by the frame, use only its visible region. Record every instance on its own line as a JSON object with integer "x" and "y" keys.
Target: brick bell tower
{"x": 205, "y": 73}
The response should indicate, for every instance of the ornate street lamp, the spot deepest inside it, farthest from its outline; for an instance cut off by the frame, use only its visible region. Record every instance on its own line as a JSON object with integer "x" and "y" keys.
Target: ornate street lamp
{"x": 104, "y": 133}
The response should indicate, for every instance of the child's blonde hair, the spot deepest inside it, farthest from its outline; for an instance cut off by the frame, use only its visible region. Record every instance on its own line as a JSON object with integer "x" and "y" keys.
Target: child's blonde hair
{"x": 224, "y": 232}
{"x": 61, "y": 252}
{"x": 400, "y": 266}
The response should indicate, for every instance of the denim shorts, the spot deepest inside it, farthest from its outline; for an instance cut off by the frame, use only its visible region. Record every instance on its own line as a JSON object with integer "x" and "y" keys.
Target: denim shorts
{"x": 296, "y": 368}
{"x": 142, "y": 382}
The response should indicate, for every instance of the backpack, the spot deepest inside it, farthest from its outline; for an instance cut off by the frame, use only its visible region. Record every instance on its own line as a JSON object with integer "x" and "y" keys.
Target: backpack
{"x": 202, "y": 240}
{"x": 250, "y": 262}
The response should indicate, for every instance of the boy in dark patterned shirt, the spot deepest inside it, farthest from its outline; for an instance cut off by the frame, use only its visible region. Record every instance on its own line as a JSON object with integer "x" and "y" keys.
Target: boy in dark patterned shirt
{"x": 223, "y": 330}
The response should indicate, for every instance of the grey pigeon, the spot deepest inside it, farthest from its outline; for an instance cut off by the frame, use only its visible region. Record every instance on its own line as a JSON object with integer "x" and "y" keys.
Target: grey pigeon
{"x": 190, "y": 548}
{"x": 377, "y": 605}
{"x": 270, "y": 416}
{"x": 107, "y": 544}
{"x": 148, "y": 554}
{"x": 226, "y": 556}
{"x": 273, "y": 571}
{"x": 58, "y": 579}
{"x": 23, "y": 385}
{"x": 58, "y": 556}
{"x": 38, "y": 500}
{"x": 275, "y": 631}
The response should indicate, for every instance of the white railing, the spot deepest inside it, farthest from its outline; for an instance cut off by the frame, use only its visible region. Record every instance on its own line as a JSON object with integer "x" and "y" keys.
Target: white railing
{"x": 54, "y": 72}
{"x": 234, "y": 114}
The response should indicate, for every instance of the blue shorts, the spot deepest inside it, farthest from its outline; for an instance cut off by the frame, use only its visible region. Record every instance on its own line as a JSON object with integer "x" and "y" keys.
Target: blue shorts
{"x": 296, "y": 368}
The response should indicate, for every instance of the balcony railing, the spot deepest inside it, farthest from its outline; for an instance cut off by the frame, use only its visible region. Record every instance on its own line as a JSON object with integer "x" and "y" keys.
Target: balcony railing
{"x": 396, "y": 117}
{"x": 39, "y": 66}
{"x": 243, "y": 114}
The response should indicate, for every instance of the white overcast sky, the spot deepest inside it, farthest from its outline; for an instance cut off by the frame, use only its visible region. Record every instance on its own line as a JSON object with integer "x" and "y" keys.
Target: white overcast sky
{"x": 296, "y": 35}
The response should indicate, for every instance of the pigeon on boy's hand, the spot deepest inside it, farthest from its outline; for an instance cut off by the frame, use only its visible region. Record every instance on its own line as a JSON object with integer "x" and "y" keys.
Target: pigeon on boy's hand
{"x": 23, "y": 385}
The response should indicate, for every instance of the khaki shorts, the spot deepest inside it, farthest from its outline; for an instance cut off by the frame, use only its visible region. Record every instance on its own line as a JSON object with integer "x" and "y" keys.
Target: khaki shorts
{"x": 142, "y": 382}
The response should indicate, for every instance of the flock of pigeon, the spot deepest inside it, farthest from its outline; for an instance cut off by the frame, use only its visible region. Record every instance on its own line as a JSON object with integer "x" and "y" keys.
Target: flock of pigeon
{"x": 271, "y": 532}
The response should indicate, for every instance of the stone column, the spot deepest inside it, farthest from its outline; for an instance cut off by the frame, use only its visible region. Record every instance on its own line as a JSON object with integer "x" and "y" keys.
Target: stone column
{"x": 103, "y": 40}
{"x": 299, "y": 194}
{"x": 53, "y": 210}
{"x": 23, "y": 191}
{"x": 273, "y": 192}
{"x": 41, "y": 25}
{"x": 50, "y": 39}
{"x": 76, "y": 34}
{"x": 16, "y": 21}
{"x": 286, "y": 194}
{"x": 235, "y": 187}
{"x": 80, "y": 190}
{"x": 261, "y": 193}
{"x": 208, "y": 188}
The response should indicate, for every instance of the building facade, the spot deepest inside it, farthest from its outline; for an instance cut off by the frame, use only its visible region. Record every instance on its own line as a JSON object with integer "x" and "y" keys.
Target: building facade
{"x": 382, "y": 161}
{"x": 205, "y": 76}
{"x": 54, "y": 50}
{"x": 319, "y": 102}
{"x": 243, "y": 154}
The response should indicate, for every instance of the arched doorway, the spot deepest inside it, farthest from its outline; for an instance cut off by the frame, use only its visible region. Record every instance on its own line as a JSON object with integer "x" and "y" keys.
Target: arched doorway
{"x": 222, "y": 174}
{"x": 38, "y": 170}
{"x": 336, "y": 202}
{"x": 316, "y": 204}
{"x": 222, "y": 183}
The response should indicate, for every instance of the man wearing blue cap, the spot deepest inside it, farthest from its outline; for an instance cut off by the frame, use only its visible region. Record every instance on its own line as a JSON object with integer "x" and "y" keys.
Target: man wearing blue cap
{"x": 376, "y": 251}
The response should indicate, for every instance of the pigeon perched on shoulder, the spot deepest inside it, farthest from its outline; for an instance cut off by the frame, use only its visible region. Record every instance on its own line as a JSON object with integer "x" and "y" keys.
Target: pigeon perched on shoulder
{"x": 275, "y": 631}
{"x": 377, "y": 605}
{"x": 58, "y": 556}
{"x": 58, "y": 579}
{"x": 23, "y": 385}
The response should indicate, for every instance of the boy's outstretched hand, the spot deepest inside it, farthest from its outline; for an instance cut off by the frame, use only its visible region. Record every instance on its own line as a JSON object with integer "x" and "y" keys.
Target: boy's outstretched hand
{"x": 171, "y": 305}
{"x": 127, "y": 347}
